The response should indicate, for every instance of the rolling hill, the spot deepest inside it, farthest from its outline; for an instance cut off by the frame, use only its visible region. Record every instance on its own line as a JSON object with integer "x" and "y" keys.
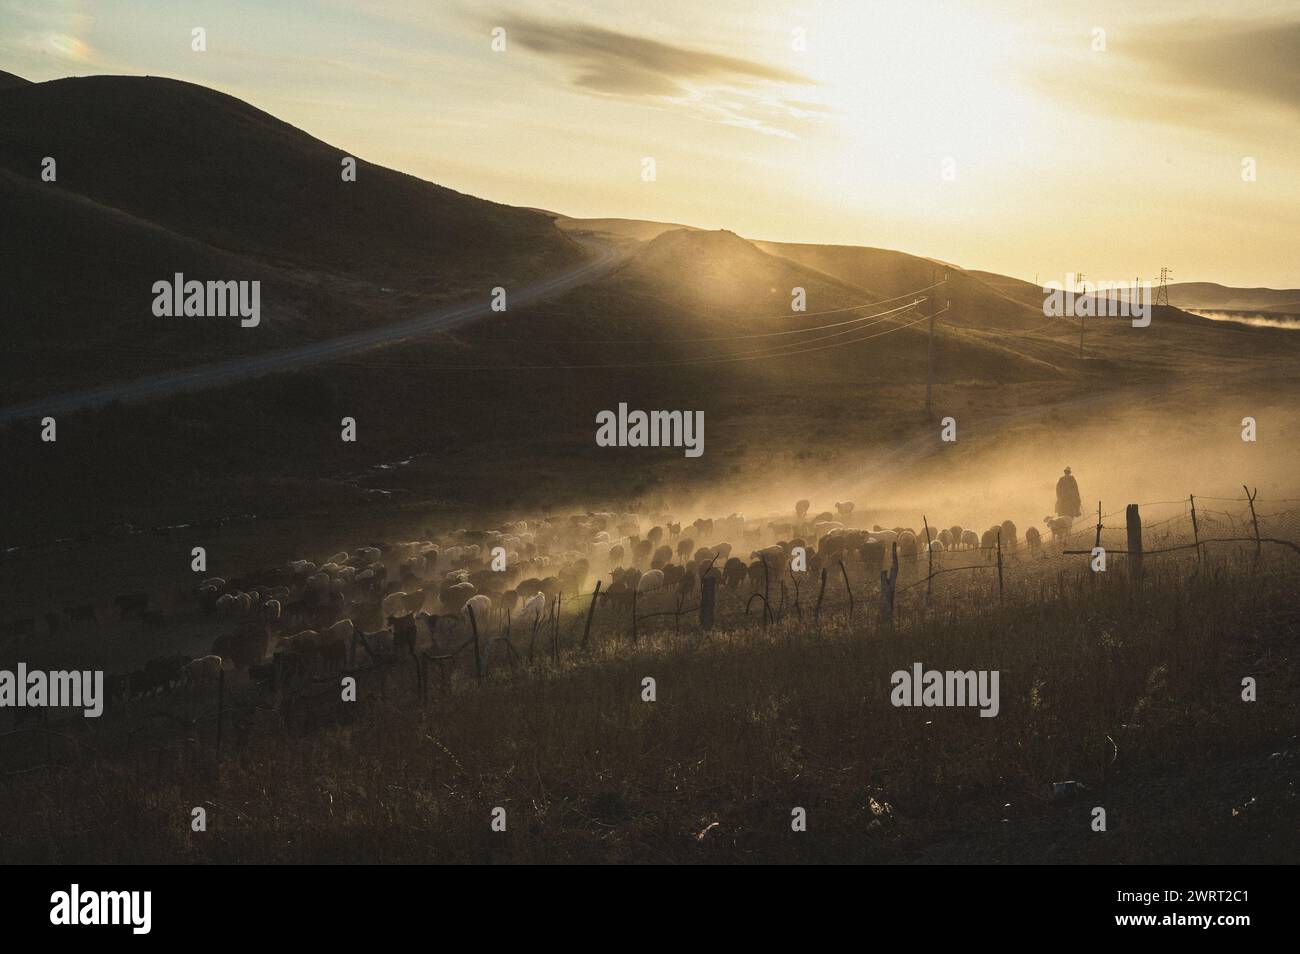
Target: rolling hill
{"x": 500, "y": 408}
{"x": 887, "y": 272}
{"x": 174, "y": 154}
{"x": 9, "y": 80}
{"x": 1213, "y": 297}
{"x": 691, "y": 307}
{"x": 156, "y": 176}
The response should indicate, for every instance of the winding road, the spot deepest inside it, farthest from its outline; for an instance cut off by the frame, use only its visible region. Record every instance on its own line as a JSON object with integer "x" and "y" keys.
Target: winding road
{"x": 606, "y": 256}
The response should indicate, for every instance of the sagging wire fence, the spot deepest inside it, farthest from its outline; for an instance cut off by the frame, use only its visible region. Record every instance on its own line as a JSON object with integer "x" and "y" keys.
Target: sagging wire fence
{"x": 602, "y": 619}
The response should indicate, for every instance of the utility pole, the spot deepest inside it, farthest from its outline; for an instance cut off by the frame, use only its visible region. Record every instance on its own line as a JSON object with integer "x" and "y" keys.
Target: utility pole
{"x": 929, "y": 372}
{"x": 1078, "y": 283}
{"x": 1162, "y": 292}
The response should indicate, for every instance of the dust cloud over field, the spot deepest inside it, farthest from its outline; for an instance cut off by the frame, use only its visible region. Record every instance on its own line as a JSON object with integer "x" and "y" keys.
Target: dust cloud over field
{"x": 1120, "y": 452}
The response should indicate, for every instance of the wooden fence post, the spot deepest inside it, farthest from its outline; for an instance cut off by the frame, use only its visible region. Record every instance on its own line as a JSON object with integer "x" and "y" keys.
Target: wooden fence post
{"x": 478, "y": 659}
{"x": 586, "y": 630}
{"x": 999, "y": 564}
{"x": 1133, "y": 521}
{"x": 555, "y": 630}
{"x": 634, "y": 589}
{"x": 821, "y": 593}
{"x": 847, "y": 587}
{"x": 887, "y": 582}
{"x": 1196, "y": 530}
{"x": 929, "y": 559}
{"x": 767, "y": 606}
{"x": 1250, "y": 498}
{"x": 221, "y": 701}
{"x": 708, "y": 597}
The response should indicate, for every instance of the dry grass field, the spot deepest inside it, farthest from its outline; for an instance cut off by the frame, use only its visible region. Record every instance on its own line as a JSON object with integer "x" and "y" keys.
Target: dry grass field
{"x": 1132, "y": 689}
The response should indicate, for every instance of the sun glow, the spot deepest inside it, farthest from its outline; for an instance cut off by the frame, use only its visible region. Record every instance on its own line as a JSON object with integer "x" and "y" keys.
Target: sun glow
{"x": 915, "y": 92}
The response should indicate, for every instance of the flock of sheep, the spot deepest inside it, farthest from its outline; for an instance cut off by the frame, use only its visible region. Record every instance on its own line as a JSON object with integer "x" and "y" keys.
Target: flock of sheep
{"x": 303, "y": 618}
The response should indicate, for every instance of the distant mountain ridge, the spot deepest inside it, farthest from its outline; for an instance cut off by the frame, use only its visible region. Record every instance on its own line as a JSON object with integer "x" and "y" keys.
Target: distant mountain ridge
{"x": 1213, "y": 296}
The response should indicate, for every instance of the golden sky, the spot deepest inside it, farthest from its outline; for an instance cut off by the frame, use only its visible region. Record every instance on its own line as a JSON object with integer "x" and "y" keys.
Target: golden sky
{"x": 827, "y": 122}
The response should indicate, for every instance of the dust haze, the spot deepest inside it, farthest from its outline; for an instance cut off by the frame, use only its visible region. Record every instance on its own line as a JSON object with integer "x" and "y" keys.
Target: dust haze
{"x": 1129, "y": 451}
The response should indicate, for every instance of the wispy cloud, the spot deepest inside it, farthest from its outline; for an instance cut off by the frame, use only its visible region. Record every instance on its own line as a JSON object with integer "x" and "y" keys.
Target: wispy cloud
{"x": 51, "y": 30}
{"x": 1259, "y": 63}
{"x": 714, "y": 86}
{"x": 1196, "y": 73}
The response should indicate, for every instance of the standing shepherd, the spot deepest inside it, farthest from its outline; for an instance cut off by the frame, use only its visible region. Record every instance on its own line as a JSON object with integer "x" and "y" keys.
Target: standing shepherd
{"x": 1068, "y": 502}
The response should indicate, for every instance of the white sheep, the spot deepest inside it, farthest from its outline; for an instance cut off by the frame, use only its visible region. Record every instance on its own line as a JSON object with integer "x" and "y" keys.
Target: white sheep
{"x": 650, "y": 581}
{"x": 394, "y": 604}
{"x": 203, "y": 672}
{"x": 343, "y": 630}
{"x": 481, "y": 606}
{"x": 907, "y": 544}
{"x": 1060, "y": 526}
{"x": 533, "y": 606}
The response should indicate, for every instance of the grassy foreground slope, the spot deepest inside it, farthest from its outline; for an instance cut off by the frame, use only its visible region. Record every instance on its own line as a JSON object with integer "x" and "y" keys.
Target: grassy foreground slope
{"x": 1133, "y": 691}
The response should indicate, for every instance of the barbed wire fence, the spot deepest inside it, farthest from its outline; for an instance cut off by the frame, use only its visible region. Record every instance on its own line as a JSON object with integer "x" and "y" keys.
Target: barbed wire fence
{"x": 163, "y": 732}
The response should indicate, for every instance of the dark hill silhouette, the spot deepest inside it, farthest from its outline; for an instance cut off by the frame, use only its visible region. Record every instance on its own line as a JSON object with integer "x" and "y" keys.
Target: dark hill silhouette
{"x": 637, "y": 229}
{"x": 887, "y": 273}
{"x": 82, "y": 312}
{"x": 714, "y": 283}
{"x": 211, "y": 167}
{"x": 10, "y": 81}
{"x": 157, "y": 176}
{"x": 721, "y": 271}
